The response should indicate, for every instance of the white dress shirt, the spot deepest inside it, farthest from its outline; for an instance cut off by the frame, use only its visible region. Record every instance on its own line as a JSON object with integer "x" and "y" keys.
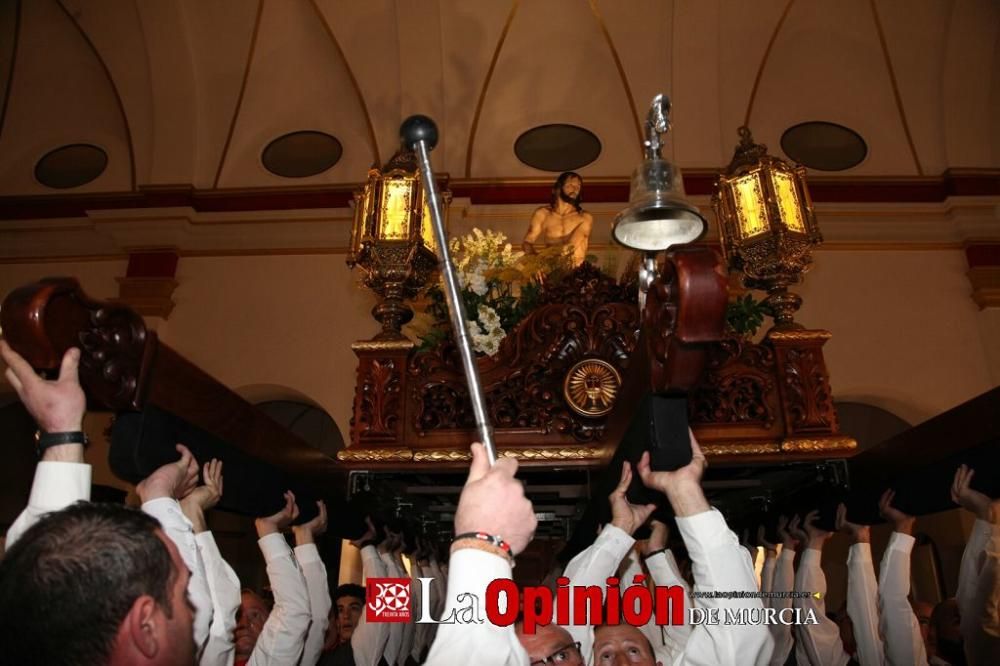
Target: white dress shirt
{"x": 369, "y": 638}
{"x": 179, "y": 530}
{"x": 720, "y": 563}
{"x": 314, "y": 572}
{"x": 862, "y": 605}
{"x": 224, "y": 587}
{"x": 56, "y": 485}
{"x": 783, "y": 580}
{"x": 665, "y": 572}
{"x": 979, "y": 594}
{"x": 767, "y": 575}
{"x": 394, "y": 644}
{"x": 281, "y": 640}
{"x": 592, "y": 567}
{"x": 486, "y": 644}
{"x": 903, "y": 643}
{"x": 817, "y": 644}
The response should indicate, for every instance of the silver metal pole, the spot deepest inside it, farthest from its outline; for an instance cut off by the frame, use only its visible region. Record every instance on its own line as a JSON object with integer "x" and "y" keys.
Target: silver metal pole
{"x": 456, "y": 307}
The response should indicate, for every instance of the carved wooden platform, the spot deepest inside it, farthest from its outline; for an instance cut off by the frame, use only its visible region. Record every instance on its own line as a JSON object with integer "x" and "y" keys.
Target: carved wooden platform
{"x": 749, "y": 402}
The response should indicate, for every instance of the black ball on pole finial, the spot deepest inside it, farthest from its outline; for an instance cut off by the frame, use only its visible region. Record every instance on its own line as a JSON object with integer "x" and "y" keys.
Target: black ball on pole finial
{"x": 418, "y": 128}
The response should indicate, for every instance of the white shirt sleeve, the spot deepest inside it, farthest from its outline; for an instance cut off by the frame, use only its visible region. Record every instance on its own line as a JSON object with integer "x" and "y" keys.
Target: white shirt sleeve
{"x": 369, "y": 638}
{"x": 314, "y": 572}
{"x": 395, "y": 641}
{"x": 720, "y": 563}
{"x": 56, "y": 486}
{"x": 979, "y": 594}
{"x": 665, "y": 572}
{"x": 900, "y": 628}
{"x": 592, "y": 567}
{"x": 767, "y": 576}
{"x": 179, "y": 530}
{"x": 224, "y": 587}
{"x": 783, "y": 581}
{"x": 420, "y": 630}
{"x": 281, "y": 640}
{"x": 862, "y": 607}
{"x": 821, "y": 642}
{"x": 406, "y": 645}
{"x": 469, "y": 574}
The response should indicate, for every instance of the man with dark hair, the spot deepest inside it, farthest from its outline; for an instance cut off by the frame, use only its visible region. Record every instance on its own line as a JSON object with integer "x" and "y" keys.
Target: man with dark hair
{"x": 87, "y": 583}
{"x": 349, "y": 600}
{"x": 95, "y": 584}
{"x": 563, "y": 221}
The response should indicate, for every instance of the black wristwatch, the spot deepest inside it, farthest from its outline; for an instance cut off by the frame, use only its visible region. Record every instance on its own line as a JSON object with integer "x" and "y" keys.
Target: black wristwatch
{"x": 44, "y": 440}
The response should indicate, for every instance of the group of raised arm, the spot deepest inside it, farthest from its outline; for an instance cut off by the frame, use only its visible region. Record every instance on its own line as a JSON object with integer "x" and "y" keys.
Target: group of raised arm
{"x": 90, "y": 583}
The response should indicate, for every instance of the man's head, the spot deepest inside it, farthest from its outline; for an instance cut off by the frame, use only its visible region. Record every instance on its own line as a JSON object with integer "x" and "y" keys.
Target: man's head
{"x": 550, "y": 642}
{"x": 945, "y": 632}
{"x": 568, "y": 187}
{"x": 349, "y": 601}
{"x": 93, "y": 584}
{"x": 923, "y": 610}
{"x": 250, "y": 619}
{"x": 622, "y": 644}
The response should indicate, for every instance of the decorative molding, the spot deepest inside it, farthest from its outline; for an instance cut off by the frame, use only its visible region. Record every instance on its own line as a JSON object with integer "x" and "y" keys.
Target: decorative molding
{"x": 985, "y": 281}
{"x": 375, "y": 455}
{"x": 799, "y": 335}
{"x": 149, "y": 296}
{"x": 820, "y": 444}
{"x": 767, "y": 448}
{"x": 382, "y": 345}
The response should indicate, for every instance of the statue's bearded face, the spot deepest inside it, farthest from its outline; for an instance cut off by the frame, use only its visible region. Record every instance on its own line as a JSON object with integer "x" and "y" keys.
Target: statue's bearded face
{"x": 570, "y": 192}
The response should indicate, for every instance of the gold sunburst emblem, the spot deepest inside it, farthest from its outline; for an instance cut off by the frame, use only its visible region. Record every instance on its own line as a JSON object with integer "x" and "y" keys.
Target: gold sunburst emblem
{"x": 591, "y": 386}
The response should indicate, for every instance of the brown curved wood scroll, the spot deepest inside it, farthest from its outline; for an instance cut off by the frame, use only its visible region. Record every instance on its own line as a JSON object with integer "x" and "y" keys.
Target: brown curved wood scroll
{"x": 124, "y": 366}
{"x": 685, "y": 311}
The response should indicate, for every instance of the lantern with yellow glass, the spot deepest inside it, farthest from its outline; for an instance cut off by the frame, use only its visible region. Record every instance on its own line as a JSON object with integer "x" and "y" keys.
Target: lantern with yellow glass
{"x": 766, "y": 224}
{"x": 392, "y": 240}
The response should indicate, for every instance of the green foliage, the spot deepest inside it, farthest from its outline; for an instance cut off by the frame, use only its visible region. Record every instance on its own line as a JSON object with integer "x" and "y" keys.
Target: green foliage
{"x": 744, "y": 316}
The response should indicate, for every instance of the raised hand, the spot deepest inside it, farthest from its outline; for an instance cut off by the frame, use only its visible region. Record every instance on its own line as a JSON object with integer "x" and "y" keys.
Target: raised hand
{"x": 972, "y": 500}
{"x": 683, "y": 486}
{"x": 307, "y": 532}
{"x": 901, "y": 522}
{"x": 768, "y": 546}
{"x": 816, "y": 537}
{"x": 280, "y": 520}
{"x": 859, "y": 533}
{"x": 207, "y": 495}
{"x": 786, "y": 528}
{"x": 175, "y": 479}
{"x": 797, "y": 530}
{"x": 57, "y": 405}
{"x": 493, "y": 502}
{"x": 624, "y": 515}
{"x": 659, "y": 534}
{"x": 368, "y": 537}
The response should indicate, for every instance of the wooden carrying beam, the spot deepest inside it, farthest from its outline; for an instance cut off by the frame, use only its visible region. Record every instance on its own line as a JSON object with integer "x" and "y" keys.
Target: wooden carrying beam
{"x": 158, "y": 393}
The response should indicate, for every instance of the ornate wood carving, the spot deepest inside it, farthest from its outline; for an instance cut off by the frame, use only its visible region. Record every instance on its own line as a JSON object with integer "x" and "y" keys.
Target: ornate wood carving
{"x": 804, "y": 382}
{"x": 379, "y": 391}
{"x": 580, "y": 319}
{"x": 42, "y": 320}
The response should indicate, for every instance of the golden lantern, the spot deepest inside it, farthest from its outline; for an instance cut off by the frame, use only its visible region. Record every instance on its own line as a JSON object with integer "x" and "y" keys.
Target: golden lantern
{"x": 392, "y": 239}
{"x": 766, "y": 224}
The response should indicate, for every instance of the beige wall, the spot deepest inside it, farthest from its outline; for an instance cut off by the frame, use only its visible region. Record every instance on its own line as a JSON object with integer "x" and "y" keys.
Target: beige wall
{"x": 906, "y": 334}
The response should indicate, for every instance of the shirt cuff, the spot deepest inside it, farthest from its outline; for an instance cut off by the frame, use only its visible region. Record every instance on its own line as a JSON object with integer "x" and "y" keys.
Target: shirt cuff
{"x": 168, "y": 511}
{"x": 59, "y": 484}
{"x": 786, "y": 554}
{"x": 206, "y": 544}
{"x": 307, "y": 553}
{"x": 860, "y": 552}
{"x": 273, "y": 546}
{"x": 617, "y": 540}
{"x": 901, "y": 542}
{"x": 704, "y": 532}
{"x": 810, "y": 558}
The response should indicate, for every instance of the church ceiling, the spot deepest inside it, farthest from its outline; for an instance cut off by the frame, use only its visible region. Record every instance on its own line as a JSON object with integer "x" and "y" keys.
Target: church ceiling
{"x": 192, "y": 92}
